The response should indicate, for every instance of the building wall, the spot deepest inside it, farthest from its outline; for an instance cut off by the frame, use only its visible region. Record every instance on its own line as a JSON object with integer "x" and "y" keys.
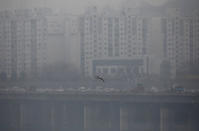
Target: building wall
{"x": 111, "y": 34}
{"x": 56, "y": 38}
{"x": 180, "y": 41}
{"x": 97, "y": 115}
{"x": 72, "y": 38}
{"x": 23, "y": 42}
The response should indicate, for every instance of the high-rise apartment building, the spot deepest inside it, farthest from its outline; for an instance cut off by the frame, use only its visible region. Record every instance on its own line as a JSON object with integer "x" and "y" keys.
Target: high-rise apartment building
{"x": 181, "y": 48}
{"x": 22, "y": 42}
{"x": 113, "y": 42}
{"x": 63, "y": 39}
{"x": 195, "y": 29}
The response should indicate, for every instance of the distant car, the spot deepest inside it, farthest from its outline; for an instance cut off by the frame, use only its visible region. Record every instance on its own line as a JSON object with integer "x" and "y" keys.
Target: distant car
{"x": 177, "y": 88}
{"x": 60, "y": 90}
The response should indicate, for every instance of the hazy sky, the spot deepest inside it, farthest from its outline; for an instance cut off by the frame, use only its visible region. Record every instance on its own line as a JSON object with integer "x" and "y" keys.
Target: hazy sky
{"x": 78, "y": 6}
{"x": 69, "y": 5}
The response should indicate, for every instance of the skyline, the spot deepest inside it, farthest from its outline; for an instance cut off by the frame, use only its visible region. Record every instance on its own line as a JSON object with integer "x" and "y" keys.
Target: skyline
{"x": 57, "y": 42}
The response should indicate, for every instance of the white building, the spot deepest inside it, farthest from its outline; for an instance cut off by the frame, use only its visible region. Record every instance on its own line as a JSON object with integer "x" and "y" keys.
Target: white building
{"x": 195, "y": 20}
{"x": 180, "y": 41}
{"x": 113, "y": 36}
{"x": 23, "y": 42}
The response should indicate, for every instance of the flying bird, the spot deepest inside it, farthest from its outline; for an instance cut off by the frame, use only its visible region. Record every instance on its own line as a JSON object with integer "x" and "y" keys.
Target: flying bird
{"x": 99, "y": 78}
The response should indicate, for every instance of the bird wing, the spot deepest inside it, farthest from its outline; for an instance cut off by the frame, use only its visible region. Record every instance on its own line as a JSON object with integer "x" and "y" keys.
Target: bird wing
{"x": 100, "y": 78}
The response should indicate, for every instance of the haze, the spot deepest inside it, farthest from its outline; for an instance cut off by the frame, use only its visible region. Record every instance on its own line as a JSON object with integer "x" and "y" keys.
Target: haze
{"x": 69, "y": 5}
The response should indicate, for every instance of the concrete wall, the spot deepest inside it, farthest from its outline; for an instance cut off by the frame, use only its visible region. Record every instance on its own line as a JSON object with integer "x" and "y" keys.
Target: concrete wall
{"x": 49, "y": 115}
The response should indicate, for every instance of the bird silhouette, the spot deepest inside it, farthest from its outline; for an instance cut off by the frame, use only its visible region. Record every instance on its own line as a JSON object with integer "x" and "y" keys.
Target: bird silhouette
{"x": 100, "y": 78}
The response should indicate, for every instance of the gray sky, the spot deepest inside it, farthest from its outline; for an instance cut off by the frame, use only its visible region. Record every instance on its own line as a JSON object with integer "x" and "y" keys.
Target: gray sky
{"x": 69, "y": 5}
{"x": 75, "y": 6}
{"x": 78, "y": 6}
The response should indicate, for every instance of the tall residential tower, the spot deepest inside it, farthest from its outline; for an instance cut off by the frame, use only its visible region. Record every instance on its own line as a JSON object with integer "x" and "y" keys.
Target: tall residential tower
{"x": 181, "y": 48}
{"x": 113, "y": 42}
{"x": 22, "y": 42}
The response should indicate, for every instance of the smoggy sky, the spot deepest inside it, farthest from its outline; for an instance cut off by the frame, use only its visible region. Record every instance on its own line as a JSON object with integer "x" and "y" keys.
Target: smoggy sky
{"x": 78, "y": 6}
{"x": 75, "y": 6}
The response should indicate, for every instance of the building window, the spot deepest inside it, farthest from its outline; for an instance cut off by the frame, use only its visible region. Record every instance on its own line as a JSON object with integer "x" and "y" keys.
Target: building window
{"x": 105, "y": 71}
{"x": 113, "y": 70}
{"x": 98, "y": 70}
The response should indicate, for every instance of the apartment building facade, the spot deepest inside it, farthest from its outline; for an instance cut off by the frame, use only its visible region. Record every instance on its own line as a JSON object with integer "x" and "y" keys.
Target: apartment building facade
{"x": 181, "y": 41}
{"x": 23, "y": 42}
{"x": 113, "y": 42}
